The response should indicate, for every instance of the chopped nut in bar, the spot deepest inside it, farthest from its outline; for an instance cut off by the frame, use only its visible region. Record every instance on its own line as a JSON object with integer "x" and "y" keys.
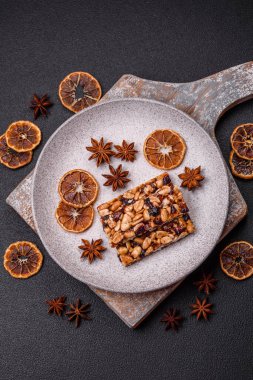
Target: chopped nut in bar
{"x": 135, "y": 250}
{"x": 142, "y": 209}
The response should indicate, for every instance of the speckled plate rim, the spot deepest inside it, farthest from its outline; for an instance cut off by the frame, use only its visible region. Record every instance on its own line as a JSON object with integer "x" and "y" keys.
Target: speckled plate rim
{"x": 101, "y": 104}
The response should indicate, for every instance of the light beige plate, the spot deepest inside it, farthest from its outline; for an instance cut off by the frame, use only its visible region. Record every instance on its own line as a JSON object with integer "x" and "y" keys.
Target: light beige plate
{"x": 133, "y": 120}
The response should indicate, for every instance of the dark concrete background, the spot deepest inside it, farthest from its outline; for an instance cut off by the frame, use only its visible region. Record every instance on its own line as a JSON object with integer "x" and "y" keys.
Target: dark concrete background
{"x": 172, "y": 41}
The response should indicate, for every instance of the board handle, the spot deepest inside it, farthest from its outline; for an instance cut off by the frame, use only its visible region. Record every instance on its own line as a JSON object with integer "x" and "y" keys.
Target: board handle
{"x": 205, "y": 100}
{"x": 214, "y": 95}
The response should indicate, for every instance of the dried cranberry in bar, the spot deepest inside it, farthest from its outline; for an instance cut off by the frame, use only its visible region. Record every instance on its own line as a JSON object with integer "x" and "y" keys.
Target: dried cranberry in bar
{"x": 135, "y": 250}
{"x": 142, "y": 209}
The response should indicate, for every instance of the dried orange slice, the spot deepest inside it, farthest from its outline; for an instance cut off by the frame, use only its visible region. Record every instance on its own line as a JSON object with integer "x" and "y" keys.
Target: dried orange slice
{"x": 22, "y": 259}
{"x": 164, "y": 149}
{"x": 83, "y": 83}
{"x": 236, "y": 260}
{"x": 74, "y": 219}
{"x": 11, "y": 158}
{"x": 242, "y": 141}
{"x": 78, "y": 188}
{"x": 240, "y": 167}
{"x": 23, "y": 136}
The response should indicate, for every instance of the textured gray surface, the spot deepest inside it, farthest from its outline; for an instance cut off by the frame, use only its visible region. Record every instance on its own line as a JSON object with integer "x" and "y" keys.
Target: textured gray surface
{"x": 133, "y": 309}
{"x": 164, "y": 41}
{"x": 121, "y": 119}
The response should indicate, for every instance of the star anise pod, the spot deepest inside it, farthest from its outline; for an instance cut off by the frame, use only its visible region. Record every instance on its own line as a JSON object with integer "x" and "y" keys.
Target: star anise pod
{"x": 56, "y": 305}
{"x": 126, "y": 151}
{"x": 78, "y": 311}
{"x": 92, "y": 250}
{"x": 206, "y": 284}
{"x": 173, "y": 319}
{"x": 40, "y": 105}
{"x": 100, "y": 151}
{"x": 201, "y": 308}
{"x": 191, "y": 178}
{"x": 117, "y": 178}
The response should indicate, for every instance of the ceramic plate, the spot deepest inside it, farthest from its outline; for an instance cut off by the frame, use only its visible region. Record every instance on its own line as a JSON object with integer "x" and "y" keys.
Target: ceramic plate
{"x": 132, "y": 120}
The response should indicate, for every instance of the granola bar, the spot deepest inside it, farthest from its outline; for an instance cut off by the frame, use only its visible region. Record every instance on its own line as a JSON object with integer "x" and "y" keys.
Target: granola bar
{"x": 141, "y": 209}
{"x": 135, "y": 250}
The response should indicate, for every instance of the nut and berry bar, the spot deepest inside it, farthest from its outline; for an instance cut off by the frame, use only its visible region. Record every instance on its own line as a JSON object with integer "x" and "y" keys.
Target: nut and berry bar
{"x": 141, "y": 209}
{"x": 135, "y": 250}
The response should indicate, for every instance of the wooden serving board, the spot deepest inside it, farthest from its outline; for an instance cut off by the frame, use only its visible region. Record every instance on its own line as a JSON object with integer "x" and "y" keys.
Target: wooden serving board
{"x": 204, "y": 100}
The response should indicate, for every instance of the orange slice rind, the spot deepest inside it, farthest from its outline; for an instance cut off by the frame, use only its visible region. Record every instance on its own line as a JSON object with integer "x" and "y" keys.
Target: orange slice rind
{"x": 23, "y": 136}
{"x": 22, "y": 259}
{"x": 236, "y": 260}
{"x": 11, "y": 158}
{"x": 74, "y": 219}
{"x": 242, "y": 141}
{"x": 89, "y": 87}
{"x": 164, "y": 149}
{"x": 240, "y": 167}
{"x": 78, "y": 188}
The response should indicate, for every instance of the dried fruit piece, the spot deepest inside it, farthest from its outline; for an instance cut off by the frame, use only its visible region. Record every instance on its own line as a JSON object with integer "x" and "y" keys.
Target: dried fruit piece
{"x": 242, "y": 141}
{"x": 201, "y": 308}
{"x": 92, "y": 250}
{"x": 206, "y": 284}
{"x": 90, "y": 91}
{"x": 173, "y": 319}
{"x": 74, "y": 219}
{"x": 23, "y": 136}
{"x": 11, "y": 158}
{"x": 240, "y": 167}
{"x": 22, "y": 259}
{"x": 40, "y": 105}
{"x": 191, "y": 178}
{"x": 117, "y": 178}
{"x": 78, "y": 188}
{"x": 126, "y": 151}
{"x": 56, "y": 306}
{"x": 101, "y": 152}
{"x": 236, "y": 260}
{"x": 132, "y": 251}
{"x": 164, "y": 149}
{"x": 142, "y": 209}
